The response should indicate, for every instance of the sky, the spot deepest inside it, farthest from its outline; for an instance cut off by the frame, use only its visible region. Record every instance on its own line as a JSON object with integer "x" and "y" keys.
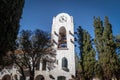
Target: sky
{"x": 38, "y": 14}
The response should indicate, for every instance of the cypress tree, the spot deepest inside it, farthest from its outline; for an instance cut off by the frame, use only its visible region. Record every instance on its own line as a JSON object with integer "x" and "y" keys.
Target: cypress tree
{"x": 98, "y": 41}
{"x": 98, "y": 30}
{"x": 87, "y": 54}
{"x": 117, "y": 42}
{"x": 107, "y": 54}
{"x": 109, "y": 61}
{"x": 106, "y": 48}
{"x": 10, "y": 14}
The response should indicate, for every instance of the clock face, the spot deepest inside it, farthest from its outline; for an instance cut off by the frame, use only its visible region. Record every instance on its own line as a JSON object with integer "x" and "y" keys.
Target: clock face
{"x": 63, "y": 19}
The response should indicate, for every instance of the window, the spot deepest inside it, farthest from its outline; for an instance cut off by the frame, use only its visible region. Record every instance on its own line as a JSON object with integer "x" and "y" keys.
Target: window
{"x": 61, "y": 78}
{"x": 44, "y": 65}
{"x": 62, "y": 40}
{"x": 38, "y": 64}
{"x": 64, "y": 63}
{"x": 15, "y": 77}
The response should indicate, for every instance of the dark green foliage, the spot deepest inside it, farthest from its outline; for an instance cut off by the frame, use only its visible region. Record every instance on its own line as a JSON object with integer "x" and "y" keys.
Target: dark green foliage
{"x": 98, "y": 41}
{"x": 117, "y": 40}
{"x": 108, "y": 58}
{"x": 108, "y": 64}
{"x": 10, "y": 14}
{"x": 87, "y": 54}
{"x": 98, "y": 30}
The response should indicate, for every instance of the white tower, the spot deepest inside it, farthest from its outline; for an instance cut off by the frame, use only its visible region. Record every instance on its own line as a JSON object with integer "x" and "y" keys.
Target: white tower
{"x": 63, "y": 38}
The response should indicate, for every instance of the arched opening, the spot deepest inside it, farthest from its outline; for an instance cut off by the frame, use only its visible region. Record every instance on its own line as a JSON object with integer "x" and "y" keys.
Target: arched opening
{"x": 39, "y": 77}
{"x": 38, "y": 64}
{"x": 44, "y": 62}
{"x": 6, "y": 77}
{"x": 65, "y": 64}
{"x": 62, "y": 40}
{"x": 61, "y": 78}
{"x": 15, "y": 77}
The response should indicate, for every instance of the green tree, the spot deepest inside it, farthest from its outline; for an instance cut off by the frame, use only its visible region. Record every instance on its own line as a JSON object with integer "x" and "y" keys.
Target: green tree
{"x": 10, "y": 14}
{"x": 36, "y": 47}
{"x": 106, "y": 49}
{"x": 108, "y": 58}
{"x": 87, "y": 54}
{"x": 117, "y": 67}
{"x": 117, "y": 40}
{"x": 98, "y": 41}
{"x": 98, "y": 30}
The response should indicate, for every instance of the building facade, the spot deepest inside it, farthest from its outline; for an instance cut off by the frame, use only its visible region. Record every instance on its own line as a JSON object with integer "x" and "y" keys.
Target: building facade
{"x": 62, "y": 35}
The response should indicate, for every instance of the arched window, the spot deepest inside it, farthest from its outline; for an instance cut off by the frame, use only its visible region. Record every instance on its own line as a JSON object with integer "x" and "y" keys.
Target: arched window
{"x": 6, "y": 77}
{"x": 44, "y": 65}
{"x": 64, "y": 63}
{"x": 62, "y": 40}
{"x": 39, "y": 77}
{"x": 15, "y": 77}
{"x": 38, "y": 64}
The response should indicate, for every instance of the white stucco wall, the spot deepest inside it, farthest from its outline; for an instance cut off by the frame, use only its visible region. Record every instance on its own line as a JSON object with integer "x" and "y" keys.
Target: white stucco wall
{"x": 69, "y": 53}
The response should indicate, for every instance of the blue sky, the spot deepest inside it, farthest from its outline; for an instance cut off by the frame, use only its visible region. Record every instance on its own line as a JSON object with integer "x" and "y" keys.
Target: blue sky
{"x": 38, "y": 14}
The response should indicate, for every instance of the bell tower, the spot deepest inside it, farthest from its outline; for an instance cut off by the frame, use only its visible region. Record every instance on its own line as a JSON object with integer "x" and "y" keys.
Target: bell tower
{"x": 63, "y": 40}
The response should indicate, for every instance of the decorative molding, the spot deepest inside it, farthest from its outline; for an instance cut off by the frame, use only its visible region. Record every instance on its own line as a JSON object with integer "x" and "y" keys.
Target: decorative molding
{"x": 72, "y": 41}
{"x": 56, "y": 33}
{"x": 54, "y": 42}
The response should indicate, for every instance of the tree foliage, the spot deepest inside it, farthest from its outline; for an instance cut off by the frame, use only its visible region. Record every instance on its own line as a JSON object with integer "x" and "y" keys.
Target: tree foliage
{"x": 106, "y": 65}
{"x": 10, "y": 14}
{"x": 106, "y": 49}
{"x": 35, "y": 47}
{"x": 87, "y": 54}
{"x": 117, "y": 40}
